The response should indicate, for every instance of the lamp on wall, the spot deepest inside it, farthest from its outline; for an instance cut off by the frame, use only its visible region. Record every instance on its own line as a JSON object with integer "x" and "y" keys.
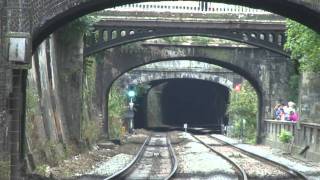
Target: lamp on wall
{"x": 18, "y": 49}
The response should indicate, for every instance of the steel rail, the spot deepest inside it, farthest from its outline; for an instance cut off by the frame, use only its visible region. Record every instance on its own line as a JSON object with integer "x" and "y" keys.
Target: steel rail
{"x": 133, "y": 161}
{"x": 130, "y": 167}
{"x": 174, "y": 159}
{"x": 240, "y": 169}
{"x": 261, "y": 158}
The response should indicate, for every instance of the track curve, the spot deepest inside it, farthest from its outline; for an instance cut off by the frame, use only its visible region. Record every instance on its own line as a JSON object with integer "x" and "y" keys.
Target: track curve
{"x": 155, "y": 160}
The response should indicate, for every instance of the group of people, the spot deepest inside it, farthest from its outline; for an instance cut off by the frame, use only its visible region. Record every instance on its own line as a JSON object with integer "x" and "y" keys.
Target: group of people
{"x": 286, "y": 112}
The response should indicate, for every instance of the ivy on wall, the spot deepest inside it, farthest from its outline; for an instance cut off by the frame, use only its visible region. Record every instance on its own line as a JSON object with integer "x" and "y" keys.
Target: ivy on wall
{"x": 304, "y": 46}
{"x": 117, "y": 105}
{"x": 80, "y": 26}
{"x": 89, "y": 124}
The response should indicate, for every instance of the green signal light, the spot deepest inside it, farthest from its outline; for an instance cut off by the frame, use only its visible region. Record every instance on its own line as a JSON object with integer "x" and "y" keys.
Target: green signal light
{"x": 131, "y": 93}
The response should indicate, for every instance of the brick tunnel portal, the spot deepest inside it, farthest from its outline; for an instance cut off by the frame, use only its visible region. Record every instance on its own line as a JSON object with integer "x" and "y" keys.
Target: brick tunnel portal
{"x": 177, "y": 101}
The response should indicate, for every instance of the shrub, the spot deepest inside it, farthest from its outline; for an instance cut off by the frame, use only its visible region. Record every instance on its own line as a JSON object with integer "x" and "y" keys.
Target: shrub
{"x": 285, "y": 136}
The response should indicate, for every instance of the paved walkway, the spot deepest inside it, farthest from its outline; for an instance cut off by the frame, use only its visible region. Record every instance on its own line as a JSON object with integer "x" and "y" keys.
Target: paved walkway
{"x": 312, "y": 172}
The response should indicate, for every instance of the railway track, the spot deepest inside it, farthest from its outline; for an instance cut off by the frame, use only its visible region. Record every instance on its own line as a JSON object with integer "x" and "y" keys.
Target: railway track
{"x": 253, "y": 166}
{"x": 155, "y": 160}
{"x": 238, "y": 169}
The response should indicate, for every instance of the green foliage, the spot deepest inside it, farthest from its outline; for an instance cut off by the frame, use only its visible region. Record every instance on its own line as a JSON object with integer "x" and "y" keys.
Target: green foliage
{"x": 116, "y": 108}
{"x": 117, "y": 102}
{"x": 53, "y": 157}
{"x": 304, "y": 45}
{"x": 244, "y": 106}
{"x": 89, "y": 78}
{"x": 77, "y": 28}
{"x": 176, "y": 39}
{"x": 90, "y": 131}
{"x": 199, "y": 40}
{"x": 195, "y": 40}
{"x": 32, "y": 101}
{"x": 32, "y": 110}
{"x": 5, "y": 170}
{"x": 89, "y": 125}
{"x": 285, "y": 136}
{"x": 42, "y": 170}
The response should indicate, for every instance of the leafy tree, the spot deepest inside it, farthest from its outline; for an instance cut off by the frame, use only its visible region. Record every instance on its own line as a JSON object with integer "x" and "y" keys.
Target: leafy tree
{"x": 244, "y": 106}
{"x": 304, "y": 45}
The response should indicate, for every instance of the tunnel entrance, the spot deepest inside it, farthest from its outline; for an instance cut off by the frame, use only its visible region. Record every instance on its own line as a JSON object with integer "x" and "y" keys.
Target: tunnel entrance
{"x": 195, "y": 102}
{"x": 177, "y": 101}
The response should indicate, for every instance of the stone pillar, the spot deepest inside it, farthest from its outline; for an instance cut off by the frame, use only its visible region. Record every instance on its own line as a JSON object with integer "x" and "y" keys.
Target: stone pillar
{"x": 16, "y": 122}
{"x": 15, "y": 17}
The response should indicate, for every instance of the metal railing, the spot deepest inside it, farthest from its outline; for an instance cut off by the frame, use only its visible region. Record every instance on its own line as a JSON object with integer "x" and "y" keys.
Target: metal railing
{"x": 189, "y": 7}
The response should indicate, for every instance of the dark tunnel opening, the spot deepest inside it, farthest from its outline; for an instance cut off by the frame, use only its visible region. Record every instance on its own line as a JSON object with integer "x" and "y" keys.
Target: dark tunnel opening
{"x": 177, "y": 101}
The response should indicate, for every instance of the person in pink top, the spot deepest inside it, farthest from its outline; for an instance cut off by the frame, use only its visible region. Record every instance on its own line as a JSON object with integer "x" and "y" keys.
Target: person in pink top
{"x": 294, "y": 117}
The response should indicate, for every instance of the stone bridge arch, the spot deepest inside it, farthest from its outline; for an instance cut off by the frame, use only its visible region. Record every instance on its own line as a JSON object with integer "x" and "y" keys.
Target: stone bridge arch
{"x": 227, "y": 80}
{"x": 115, "y": 32}
{"x": 49, "y": 15}
{"x": 260, "y": 67}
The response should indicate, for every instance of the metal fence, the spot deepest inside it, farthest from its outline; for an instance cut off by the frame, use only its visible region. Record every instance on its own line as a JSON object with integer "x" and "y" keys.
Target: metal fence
{"x": 189, "y": 7}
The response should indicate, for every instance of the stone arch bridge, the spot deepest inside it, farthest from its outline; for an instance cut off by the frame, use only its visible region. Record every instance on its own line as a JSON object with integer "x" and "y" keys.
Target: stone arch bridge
{"x": 266, "y": 71}
{"x": 144, "y": 76}
{"x": 48, "y": 15}
{"x": 39, "y": 18}
{"x": 115, "y": 31}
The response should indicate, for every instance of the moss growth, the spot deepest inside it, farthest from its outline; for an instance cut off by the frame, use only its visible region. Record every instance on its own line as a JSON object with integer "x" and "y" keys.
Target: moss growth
{"x": 89, "y": 124}
{"x": 4, "y": 170}
{"x": 90, "y": 131}
{"x": 77, "y": 28}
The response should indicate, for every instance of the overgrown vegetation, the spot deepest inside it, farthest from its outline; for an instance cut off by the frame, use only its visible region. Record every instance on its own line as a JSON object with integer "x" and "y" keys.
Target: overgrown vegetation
{"x": 304, "y": 45}
{"x": 89, "y": 124}
{"x": 4, "y": 170}
{"x": 285, "y": 136}
{"x": 32, "y": 99}
{"x": 243, "y": 107}
{"x": 48, "y": 151}
{"x": 77, "y": 28}
{"x": 117, "y": 105}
